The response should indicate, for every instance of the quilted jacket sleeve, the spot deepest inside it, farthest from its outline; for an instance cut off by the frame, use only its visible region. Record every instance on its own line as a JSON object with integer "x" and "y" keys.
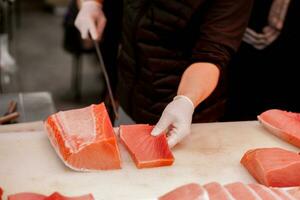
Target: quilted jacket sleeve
{"x": 221, "y": 26}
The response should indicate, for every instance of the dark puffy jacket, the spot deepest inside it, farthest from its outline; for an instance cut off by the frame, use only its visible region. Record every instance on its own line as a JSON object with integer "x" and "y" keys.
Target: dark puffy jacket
{"x": 262, "y": 79}
{"x": 161, "y": 38}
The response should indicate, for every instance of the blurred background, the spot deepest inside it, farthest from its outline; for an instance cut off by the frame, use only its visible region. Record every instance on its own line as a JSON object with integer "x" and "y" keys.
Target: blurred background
{"x": 36, "y": 62}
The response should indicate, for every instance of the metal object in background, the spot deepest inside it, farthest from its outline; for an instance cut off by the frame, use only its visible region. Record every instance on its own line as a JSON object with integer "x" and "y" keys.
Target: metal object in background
{"x": 35, "y": 106}
{"x": 11, "y": 115}
{"x": 10, "y": 118}
{"x": 102, "y": 65}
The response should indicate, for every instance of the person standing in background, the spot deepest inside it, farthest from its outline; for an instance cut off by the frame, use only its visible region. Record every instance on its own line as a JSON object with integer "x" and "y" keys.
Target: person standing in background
{"x": 264, "y": 73}
{"x": 173, "y": 56}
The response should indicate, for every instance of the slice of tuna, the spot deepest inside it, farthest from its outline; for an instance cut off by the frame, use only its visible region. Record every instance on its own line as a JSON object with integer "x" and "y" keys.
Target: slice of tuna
{"x": 264, "y": 192}
{"x": 190, "y": 191}
{"x": 1, "y": 193}
{"x": 84, "y": 138}
{"x": 57, "y": 196}
{"x": 232, "y": 191}
{"x": 283, "y": 124}
{"x": 54, "y": 196}
{"x": 283, "y": 194}
{"x": 146, "y": 150}
{"x": 295, "y": 192}
{"x": 273, "y": 166}
{"x": 241, "y": 191}
{"x": 217, "y": 192}
{"x": 26, "y": 196}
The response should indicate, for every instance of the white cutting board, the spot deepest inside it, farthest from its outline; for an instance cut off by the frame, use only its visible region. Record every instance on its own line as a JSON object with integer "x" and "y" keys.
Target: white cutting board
{"x": 211, "y": 153}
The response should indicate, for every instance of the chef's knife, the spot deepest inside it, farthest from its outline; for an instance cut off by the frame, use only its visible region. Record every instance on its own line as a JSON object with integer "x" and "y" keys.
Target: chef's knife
{"x": 103, "y": 69}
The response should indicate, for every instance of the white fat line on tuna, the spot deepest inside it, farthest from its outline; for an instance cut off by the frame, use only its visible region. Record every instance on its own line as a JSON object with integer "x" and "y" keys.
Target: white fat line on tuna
{"x": 60, "y": 117}
{"x": 268, "y": 190}
{"x": 253, "y": 192}
{"x": 94, "y": 120}
{"x": 205, "y": 195}
{"x": 94, "y": 134}
{"x": 228, "y": 194}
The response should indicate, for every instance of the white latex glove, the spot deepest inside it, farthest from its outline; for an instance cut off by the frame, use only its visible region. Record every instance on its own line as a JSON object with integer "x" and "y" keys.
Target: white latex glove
{"x": 177, "y": 118}
{"x": 7, "y": 62}
{"x": 91, "y": 19}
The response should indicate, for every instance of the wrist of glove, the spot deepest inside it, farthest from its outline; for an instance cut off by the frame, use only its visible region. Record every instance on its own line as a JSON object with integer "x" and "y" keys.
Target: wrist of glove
{"x": 176, "y": 119}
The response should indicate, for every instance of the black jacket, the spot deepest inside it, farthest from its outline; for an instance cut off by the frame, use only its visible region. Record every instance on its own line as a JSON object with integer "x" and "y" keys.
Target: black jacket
{"x": 161, "y": 38}
{"x": 267, "y": 78}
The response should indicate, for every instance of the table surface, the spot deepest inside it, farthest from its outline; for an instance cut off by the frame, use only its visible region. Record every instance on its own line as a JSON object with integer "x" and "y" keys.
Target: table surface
{"x": 211, "y": 153}
{"x": 32, "y": 106}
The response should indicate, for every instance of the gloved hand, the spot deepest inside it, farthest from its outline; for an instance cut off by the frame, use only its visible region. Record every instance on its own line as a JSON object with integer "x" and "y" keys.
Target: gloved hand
{"x": 91, "y": 19}
{"x": 177, "y": 118}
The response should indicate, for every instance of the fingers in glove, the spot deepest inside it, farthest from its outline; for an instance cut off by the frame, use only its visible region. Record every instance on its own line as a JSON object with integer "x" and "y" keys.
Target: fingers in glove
{"x": 176, "y": 135}
{"x": 93, "y": 30}
{"x": 162, "y": 125}
{"x": 82, "y": 27}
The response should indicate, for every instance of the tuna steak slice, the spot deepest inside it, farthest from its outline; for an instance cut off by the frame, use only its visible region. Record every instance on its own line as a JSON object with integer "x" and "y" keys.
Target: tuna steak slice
{"x": 285, "y": 125}
{"x": 146, "y": 150}
{"x": 54, "y": 196}
{"x": 273, "y": 166}
{"x": 264, "y": 192}
{"x": 84, "y": 138}
{"x": 242, "y": 191}
{"x": 190, "y": 191}
{"x": 57, "y": 196}
{"x": 232, "y": 191}
{"x": 26, "y": 196}
{"x": 295, "y": 192}
{"x": 216, "y": 191}
{"x": 1, "y": 193}
{"x": 284, "y": 195}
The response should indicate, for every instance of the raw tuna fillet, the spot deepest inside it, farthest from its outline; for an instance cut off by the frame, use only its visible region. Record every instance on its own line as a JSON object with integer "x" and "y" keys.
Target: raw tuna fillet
{"x": 191, "y": 191}
{"x": 1, "y": 193}
{"x": 242, "y": 191}
{"x": 295, "y": 192}
{"x": 84, "y": 138}
{"x": 232, "y": 191}
{"x": 54, "y": 196}
{"x": 217, "y": 192}
{"x": 146, "y": 150}
{"x": 273, "y": 166}
{"x": 264, "y": 192}
{"x": 57, "y": 196}
{"x": 283, "y": 194}
{"x": 26, "y": 196}
{"x": 285, "y": 125}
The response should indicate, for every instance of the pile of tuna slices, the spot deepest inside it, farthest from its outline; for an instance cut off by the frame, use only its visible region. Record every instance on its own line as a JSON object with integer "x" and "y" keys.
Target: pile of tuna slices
{"x": 232, "y": 191}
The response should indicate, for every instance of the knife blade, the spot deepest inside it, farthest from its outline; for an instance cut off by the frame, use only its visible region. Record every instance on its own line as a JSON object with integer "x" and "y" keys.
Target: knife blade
{"x": 103, "y": 69}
